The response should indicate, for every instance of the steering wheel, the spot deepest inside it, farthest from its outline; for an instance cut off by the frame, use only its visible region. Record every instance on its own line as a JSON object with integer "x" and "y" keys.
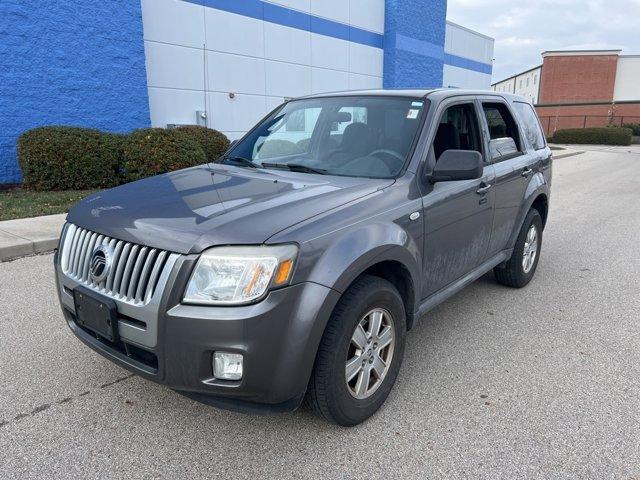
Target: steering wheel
{"x": 388, "y": 152}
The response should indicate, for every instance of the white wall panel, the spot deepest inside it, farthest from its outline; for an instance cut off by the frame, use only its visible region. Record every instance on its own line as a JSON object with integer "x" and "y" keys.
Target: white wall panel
{"x": 367, "y": 14}
{"x": 228, "y": 32}
{"x": 174, "y": 106}
{"x": 287, "y": 44}
{"x": 174, "y": 66}
{"x": 366, "y": 60}
{"x": 463, "y": 78}
{"x": 323, "y": 80}
{"x": 327, "y": 52}
{"x": 627, "y": 86}
{"x": 161, "y": 17}
{"x": 364, "y": 82}
{"x": 468, "y": 44}
{"x": 235, "y": 73}
{"x": 287, "y": 79}
{"x": 261, "y": 63}
{"x": 235, "y": 114}
{"x": 337, "y": 10}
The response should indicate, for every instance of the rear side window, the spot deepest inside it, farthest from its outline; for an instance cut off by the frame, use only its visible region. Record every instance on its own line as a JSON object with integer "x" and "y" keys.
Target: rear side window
{"x": 532, "y": 129}
{"x": 503, "y": 130}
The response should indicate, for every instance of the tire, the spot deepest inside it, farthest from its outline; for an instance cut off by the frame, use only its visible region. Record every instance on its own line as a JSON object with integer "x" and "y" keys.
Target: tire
{"x": 516, "y": 273}
{"x": 329, "y": 394}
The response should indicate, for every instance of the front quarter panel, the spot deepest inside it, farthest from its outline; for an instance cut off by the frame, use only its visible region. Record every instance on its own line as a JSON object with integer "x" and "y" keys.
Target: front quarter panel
{"x": 337, "y": 247}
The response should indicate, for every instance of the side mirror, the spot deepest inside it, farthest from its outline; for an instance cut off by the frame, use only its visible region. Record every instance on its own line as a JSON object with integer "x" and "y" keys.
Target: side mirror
{"x": 457, "y": 165}
{"x": 499, "y": 147}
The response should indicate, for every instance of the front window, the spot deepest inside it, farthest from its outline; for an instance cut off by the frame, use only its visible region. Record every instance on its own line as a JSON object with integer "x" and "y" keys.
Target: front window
{"x": 350, "y": 136}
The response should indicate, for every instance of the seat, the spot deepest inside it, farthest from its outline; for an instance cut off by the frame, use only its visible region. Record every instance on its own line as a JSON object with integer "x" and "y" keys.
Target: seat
{"x": 447, "y": 138}
{"x": 356, "y": 142}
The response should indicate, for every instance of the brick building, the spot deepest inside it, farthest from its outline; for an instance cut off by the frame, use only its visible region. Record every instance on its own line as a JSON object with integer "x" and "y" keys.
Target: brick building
{"x": 580, "y": 89}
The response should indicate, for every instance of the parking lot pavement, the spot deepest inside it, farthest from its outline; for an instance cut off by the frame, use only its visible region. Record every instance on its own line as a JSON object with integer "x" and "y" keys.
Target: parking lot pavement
{"x": 542, "y": 382}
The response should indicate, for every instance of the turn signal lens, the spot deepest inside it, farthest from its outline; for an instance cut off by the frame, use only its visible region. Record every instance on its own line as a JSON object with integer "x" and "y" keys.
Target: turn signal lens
{"x": 284, "y": 273}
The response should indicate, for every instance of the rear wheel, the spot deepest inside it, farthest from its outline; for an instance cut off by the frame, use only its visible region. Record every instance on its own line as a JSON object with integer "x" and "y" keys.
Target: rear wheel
{"x": 520, "y": 268}
{"x": 360, "y": 353}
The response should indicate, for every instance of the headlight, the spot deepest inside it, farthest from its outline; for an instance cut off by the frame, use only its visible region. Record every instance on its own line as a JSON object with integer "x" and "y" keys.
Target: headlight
{"x": 237, "y": 275}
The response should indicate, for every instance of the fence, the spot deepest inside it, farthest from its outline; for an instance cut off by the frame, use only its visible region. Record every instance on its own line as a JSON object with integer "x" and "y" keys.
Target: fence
{"x": 557, "y": 122}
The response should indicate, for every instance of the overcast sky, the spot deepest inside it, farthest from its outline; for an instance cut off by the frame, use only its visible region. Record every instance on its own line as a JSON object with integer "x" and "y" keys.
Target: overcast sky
{"x": 523, "y": 29}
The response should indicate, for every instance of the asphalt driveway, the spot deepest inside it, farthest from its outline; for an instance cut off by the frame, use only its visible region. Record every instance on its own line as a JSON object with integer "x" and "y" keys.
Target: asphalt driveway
{"x": 542, "y": 382}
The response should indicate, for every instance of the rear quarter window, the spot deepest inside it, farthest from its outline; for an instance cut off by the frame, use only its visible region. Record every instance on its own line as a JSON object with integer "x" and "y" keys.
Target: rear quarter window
{"x": 530, "y": 124}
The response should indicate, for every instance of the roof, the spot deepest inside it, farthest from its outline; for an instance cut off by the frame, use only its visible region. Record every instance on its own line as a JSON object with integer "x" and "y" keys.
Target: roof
{"x": 569, "y": 53}
{"x": 415, "y": 93}
{"x": 453, "y": 24}
{"x": 517, "y": 75}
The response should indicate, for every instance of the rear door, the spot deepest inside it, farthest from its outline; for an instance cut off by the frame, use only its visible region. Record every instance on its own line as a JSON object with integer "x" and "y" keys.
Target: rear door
{"x": 458, "y": 214}
{"x": 513, "y": 163}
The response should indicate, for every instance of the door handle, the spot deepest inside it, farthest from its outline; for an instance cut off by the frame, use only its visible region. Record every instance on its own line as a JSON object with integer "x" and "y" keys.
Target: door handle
{"x": 484, "y": 188}
{"x": 526, "y": 172}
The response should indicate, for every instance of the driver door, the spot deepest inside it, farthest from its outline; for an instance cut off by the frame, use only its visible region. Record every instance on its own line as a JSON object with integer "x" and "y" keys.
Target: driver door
{"x": 458, "y": 215}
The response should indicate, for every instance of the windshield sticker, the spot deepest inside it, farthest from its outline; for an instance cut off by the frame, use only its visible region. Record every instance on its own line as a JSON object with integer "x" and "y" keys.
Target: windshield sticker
{"x": 417, "y": 104}
{"x": 413, "y": 113}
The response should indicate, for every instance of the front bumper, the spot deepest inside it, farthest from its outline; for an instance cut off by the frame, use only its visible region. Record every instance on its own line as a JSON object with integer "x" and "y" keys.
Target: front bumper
{"x": 278, "y": 338}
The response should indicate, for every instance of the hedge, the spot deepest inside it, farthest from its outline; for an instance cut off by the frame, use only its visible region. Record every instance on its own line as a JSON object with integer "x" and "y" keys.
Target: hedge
{"x": 152, "y": 151}
{"x": 69, "y": 158}
{"x": 74, "y": 158}
{"x": 635, "y": 127}
{"x": 212, "y": 141}
{"x": 601, "y": 136}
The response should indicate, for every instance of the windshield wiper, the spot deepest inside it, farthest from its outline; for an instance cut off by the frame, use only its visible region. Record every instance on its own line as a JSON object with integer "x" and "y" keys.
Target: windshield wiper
{"x": 245, "y": 162}
{"x": 295, "y": 167}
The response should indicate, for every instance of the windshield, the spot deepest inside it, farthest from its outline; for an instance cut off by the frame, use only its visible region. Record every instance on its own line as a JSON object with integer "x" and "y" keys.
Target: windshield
{"x": 352, "y": 136}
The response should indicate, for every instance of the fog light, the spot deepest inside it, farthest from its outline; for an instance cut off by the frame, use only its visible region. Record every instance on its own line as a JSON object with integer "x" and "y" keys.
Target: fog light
{"x": 227, "y": 366}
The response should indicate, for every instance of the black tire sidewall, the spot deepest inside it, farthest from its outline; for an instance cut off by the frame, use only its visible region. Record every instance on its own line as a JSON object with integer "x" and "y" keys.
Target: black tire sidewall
{"x": 378, "y": 293}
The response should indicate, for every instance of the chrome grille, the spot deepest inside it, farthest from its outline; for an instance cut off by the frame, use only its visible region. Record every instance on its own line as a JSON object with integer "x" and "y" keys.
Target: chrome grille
{"x": 134, "y": 272}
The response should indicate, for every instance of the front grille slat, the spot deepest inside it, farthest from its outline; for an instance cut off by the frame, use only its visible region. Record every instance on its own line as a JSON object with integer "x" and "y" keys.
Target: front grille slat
{"x": 116, "y": 258}
{"x": 128, "y": 268}
{"x": 144, "y": 274}
{"x": 79, "y": 252}
{"x": 135, "y": 273}
{"x": 155, "y": 274}
{"x": 134, "y": 269}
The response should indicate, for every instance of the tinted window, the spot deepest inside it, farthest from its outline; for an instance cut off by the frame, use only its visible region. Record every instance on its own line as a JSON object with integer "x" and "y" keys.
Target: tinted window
{"x": 503, "y": 130}
{"x": 457, "y": 130}
{"x": 532, "y": 129}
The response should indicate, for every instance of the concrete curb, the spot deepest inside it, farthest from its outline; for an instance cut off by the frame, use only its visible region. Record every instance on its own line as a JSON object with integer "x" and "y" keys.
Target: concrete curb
{"x": 29, "y": 236}
{"x": 565, "y": 155}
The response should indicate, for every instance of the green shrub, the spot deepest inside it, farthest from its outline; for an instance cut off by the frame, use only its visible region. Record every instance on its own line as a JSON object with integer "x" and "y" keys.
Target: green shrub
{"x": 600, "y": 136}
{"x": 68, "y": 158}
{"x": 152, "y": 151}
{"x": 213, "y": 142}
{"x": 635, "y": 128}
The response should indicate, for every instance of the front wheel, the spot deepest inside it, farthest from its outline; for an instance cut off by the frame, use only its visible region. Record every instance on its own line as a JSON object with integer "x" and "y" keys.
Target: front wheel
{"x": 520, "y": 268}
{"x": 360, "y": 353}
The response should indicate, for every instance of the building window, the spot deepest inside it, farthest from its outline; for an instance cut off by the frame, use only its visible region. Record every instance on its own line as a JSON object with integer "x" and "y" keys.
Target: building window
{"x": 527, "y": 81}
{"x": 520, "y": 83}
{"x": 535, "y": 79}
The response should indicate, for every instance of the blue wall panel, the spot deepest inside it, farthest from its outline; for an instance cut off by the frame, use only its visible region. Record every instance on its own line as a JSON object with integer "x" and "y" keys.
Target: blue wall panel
{"x": 69, "y": 63}
{"x": 414, "y": 43}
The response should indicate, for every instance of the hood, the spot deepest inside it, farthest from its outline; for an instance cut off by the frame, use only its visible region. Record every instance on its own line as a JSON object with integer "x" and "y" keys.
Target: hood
{"x": 192, "y": 209}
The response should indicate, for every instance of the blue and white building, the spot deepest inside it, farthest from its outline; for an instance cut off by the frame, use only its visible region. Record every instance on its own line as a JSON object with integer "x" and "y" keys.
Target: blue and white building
{"x": 126, "y": 64}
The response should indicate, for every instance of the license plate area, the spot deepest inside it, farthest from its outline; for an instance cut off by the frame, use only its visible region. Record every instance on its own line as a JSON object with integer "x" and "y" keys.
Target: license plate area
{"x": 96, "y": 314}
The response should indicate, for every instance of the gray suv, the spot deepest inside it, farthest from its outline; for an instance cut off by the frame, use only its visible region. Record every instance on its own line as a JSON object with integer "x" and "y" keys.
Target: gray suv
{"x": 292, "y": 268}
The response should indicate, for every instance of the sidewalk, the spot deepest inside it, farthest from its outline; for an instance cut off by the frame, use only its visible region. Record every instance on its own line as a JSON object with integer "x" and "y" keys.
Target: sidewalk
{"x": 27, "y": 236}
